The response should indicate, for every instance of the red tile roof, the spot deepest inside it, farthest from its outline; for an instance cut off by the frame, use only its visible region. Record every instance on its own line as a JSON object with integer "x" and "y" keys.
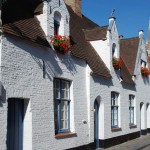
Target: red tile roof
{"x": 82, "y": 49}
{"x": 21, "y": 22}
{"x": 97, "y": 33}
{"x": 128, "y": 52}
{"x": 125, "y": 75}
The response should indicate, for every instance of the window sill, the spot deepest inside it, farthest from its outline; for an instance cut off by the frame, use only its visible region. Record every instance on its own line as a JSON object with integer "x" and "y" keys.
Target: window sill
{"x": 132, "y": 126}
{"x": 64, "y": 135}
{"x": 116, "y": 129}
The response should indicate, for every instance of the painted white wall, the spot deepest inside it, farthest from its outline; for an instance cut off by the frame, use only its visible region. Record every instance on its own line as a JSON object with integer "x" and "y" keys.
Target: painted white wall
{"x": 27, "y": 126}
{"x": 103, "y": 49}
{"x": 47, "y": 18}
{"x": 148, "y": 114}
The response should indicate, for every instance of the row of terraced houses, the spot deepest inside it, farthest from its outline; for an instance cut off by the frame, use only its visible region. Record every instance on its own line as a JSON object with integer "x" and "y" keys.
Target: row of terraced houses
{"x": 93, "y": 94}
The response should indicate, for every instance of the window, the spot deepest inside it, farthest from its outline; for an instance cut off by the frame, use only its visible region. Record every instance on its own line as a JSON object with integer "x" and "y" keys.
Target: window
{"x": 113, "y": 49}
{"x": 131, "y": 109}
{"x": 56, "y": 27}
{"x": 143, "y": 63}
{"x": 114, "y": 109}
{"x": 61, "y": 105}
{"x": 57, "y": 22}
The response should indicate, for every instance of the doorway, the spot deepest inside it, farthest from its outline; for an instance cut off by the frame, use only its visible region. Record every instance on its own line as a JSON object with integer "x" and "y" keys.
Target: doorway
{"x": 141, "y": 117}
{"x": 96, "y": 124}
{"x": 15, "y": 124}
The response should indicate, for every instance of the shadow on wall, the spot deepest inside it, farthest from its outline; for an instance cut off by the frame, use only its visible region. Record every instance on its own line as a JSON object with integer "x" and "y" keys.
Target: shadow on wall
{"x": 102, "y": 81}
{"x": 129, "y": 86}
{"x": 146, "y": 80}
{"x": 55, "y": 63}
{"x": 2, "y": 95}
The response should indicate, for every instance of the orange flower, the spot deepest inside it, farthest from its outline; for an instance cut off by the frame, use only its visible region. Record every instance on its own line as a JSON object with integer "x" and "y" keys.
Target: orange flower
{"x": 145, "y": 71}
{"x": 117, "y": 63}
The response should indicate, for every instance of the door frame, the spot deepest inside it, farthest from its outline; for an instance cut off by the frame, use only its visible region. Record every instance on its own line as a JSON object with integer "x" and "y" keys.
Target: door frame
{"x": 141, "y": 116}
{"x": 96, "y": 124}
{"x": 15, "y": 113}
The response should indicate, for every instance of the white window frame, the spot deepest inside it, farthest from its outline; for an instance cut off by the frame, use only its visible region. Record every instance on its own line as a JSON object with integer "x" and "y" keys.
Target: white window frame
{"x": 58, "y": 102}
{"x": 114, "y": 110}
{"x": 131, "y": 110}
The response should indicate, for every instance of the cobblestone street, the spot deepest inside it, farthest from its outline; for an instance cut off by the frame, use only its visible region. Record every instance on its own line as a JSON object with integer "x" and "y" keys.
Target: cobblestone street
{"x": 141, "y": 143}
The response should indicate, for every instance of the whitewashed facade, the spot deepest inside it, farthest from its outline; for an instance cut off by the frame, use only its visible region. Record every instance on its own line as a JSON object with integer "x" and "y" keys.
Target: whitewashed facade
{"x": 28, "y": 71}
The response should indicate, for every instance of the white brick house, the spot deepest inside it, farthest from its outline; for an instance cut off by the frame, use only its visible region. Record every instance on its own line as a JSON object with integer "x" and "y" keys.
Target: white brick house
{"x": 52, "y": 101}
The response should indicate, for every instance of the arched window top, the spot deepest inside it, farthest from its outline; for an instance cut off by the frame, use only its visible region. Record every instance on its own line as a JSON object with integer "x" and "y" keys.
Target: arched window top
{"x": 57, "y": 16}
{"x": 58, "y": 23}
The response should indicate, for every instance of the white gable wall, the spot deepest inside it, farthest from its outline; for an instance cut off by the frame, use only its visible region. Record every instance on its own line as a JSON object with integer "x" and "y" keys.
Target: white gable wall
{"x": 47, "y": 18}
{"x": 104, "y": 47}
{"x": 143, "y": 85}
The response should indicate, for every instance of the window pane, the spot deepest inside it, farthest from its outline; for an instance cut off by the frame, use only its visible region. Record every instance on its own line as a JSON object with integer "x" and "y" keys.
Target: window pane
{"x": 115, "y": 122}
{"x": 64, "y": 114}
{"x": 56, "y": 113}
{"x": 56, "y": 88}
{"x": 132, "y": 115}
{"x": 114, "y": 116}
{"x": 57, "y": 95}
{"x": 65, "y": 90}
{"x": 114, "y": 99}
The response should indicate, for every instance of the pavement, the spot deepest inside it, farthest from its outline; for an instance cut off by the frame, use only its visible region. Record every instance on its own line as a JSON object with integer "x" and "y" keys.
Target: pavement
{"x": 141, "y": 143}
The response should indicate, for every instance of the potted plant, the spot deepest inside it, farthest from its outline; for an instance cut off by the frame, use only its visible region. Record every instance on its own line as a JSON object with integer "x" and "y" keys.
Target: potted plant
{"x": 117, "y": 63}
{"x": 145, "y": 71}
{"x": 61, "y": 43}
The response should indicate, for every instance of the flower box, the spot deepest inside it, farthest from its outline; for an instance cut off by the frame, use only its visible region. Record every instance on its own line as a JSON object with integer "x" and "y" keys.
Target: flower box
{"x": 117, "y": 63}
{"x": 145, "y": 71}
{"x": 61, "y": 44}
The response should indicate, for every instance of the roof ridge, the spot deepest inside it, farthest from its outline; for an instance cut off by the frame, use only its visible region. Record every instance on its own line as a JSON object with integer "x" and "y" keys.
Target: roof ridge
{"x": 130, "y": 38}
{"x": 104, "y": 26}
{"x": 92, "y": 28}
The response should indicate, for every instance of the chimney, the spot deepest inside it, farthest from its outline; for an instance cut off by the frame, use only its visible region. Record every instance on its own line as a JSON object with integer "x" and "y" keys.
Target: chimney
{"x": 120, "y": 37}
{"x": 141, "y": 34}
{"x": 76, "y": 5}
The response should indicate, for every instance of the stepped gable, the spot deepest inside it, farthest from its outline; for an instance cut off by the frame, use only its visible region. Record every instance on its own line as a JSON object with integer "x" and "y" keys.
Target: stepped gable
{"x": 82, "y": 48}
{"x": 20, "y": 21}
{"x": 128, "y": 52}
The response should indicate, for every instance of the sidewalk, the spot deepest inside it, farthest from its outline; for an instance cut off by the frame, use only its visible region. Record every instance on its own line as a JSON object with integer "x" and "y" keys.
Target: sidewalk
{"x": 141, "y": 143}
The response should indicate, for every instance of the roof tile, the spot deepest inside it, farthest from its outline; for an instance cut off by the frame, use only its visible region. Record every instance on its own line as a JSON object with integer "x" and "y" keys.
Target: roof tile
{"x": 82, "y": 48}
{"x": 97, "y": 33}
{"x": 128, "y": 52}
{"x": 19, "y": 21}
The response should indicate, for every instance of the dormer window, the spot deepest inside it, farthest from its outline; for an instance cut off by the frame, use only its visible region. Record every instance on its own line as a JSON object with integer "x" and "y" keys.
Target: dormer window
{"x": 57, "y": 23}
{"x": 113, "y": 50}
{"x": 56, "y": 27}
{"x": 143, "y": 63}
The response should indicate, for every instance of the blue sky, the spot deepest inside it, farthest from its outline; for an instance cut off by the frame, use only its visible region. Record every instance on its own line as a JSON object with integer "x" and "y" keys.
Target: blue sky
{"x": 131, "y": 15}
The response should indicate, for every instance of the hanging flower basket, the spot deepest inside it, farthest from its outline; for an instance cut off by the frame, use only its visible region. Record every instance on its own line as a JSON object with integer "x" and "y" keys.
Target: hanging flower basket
{"x": 117, "y": 63}
{"x": 61, "y": 44}
{"x": 145, "y": 71}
